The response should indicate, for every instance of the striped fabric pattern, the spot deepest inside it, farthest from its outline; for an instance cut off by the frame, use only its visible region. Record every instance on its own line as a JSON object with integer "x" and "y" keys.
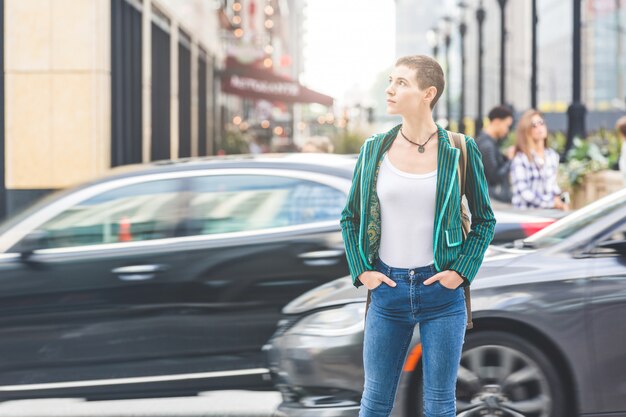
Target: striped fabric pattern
{"x": 360, "y": 218}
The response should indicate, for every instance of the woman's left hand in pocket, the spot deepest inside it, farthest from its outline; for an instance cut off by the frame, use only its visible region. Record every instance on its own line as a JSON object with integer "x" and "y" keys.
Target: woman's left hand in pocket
{"x": 449, "y": 279}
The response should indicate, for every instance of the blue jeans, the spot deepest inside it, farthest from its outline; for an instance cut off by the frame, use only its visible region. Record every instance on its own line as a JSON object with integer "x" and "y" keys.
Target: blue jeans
{"x": 391, "y": 318}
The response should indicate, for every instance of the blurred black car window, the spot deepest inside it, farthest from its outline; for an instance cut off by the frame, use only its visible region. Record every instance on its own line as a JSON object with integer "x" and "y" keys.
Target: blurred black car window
{"x": 569, "y": 225}
{"x": 237, "y": 203}
{"x": 613, "y": 243}
{"x": 145, "y": 211}
{"x": 618, "y": 235}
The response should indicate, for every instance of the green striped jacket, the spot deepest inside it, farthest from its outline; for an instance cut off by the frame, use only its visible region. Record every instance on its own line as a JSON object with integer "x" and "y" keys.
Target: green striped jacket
{"x": 360, "y": 219}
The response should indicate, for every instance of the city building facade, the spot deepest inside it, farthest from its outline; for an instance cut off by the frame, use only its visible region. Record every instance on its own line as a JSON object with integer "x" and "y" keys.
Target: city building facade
{"x": 94, "y": 84}
{"x": 603, "y": 56}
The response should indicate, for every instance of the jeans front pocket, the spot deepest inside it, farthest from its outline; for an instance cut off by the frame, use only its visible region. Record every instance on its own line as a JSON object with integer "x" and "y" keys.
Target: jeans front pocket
{"x": 393, "y": 300}
{"x": 438, "y": 283}
{"x": 435, "y": 295}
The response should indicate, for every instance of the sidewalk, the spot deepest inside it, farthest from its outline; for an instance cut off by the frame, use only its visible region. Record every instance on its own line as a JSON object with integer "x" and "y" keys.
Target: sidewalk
{"x": 207, "y": 404}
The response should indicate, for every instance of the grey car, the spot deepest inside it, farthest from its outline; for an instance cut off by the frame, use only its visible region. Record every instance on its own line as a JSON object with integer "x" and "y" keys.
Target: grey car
{"x": 549, "y": 337}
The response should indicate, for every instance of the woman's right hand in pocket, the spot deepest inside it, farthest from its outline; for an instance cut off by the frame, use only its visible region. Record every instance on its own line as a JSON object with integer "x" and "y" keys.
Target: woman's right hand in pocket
{"x": 373, "y": 279}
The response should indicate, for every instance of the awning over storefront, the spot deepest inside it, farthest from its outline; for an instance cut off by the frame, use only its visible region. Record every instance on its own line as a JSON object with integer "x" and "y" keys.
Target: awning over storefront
{"x": 248, "y": 80}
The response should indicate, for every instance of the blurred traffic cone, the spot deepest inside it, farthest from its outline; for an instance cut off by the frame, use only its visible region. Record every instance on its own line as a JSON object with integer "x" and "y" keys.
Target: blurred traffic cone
{"x": 124, "y": 234}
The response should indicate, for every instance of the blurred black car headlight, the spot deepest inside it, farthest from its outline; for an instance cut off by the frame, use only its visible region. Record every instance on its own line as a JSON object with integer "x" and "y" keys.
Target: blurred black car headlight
{"x": 346, "y": 320}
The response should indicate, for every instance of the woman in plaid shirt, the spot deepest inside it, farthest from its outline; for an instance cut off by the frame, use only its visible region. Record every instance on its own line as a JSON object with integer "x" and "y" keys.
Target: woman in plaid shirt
{"x": 535, "y": 166}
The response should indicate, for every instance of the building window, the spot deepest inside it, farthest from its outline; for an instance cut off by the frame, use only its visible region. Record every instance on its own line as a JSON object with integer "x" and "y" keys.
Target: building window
{"x": 160, "y": 103}
{"x": 126, "y": 80}
{"x": 202, "y": 104}
{"x": 184, "y": 95}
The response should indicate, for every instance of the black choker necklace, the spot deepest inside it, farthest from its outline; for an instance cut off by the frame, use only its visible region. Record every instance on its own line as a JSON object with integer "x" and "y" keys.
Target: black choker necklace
{"x": 420, "y": 146}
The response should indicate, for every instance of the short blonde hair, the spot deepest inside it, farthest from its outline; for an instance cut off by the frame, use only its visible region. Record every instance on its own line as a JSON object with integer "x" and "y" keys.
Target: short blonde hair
{"x": 428, "y": 72}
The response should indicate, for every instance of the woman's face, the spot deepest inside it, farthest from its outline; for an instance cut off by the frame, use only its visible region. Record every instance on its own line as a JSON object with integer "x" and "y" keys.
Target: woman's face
{"x": 538, "y": 129}
{"x": 404, "y": 96}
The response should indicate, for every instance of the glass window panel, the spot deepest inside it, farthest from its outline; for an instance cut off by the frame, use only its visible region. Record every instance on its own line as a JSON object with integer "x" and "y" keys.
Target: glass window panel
{"x": 145, "y": 211}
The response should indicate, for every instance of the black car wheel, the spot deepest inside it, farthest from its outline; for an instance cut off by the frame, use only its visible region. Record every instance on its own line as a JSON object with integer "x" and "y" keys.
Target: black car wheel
{"x": 501, "y": 375}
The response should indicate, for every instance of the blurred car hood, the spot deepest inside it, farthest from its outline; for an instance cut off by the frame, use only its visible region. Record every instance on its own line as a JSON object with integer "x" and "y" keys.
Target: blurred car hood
{"x": 341, "y": 291}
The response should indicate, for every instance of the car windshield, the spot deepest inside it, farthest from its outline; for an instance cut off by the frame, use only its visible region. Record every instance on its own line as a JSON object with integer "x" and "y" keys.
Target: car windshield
{"x": 568, "y": 225}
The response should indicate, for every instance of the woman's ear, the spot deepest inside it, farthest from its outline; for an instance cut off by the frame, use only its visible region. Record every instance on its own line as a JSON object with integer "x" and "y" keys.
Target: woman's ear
{"x": 430, "y": 94}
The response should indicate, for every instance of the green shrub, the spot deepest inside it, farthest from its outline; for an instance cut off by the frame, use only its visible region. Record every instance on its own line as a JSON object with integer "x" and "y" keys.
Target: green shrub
{"x": 347, "y": 142}
{"x": 598, "y": 152}
{"x": 235, "y": 143}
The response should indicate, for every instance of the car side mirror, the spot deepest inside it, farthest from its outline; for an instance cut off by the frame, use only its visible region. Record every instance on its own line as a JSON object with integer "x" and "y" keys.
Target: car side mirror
{"x": 34, "y": 240}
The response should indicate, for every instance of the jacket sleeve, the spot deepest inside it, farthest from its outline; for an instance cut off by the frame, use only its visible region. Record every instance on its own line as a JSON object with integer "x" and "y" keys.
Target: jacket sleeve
{"x": 350, "y": 223}
{"x": 483, "y": 220}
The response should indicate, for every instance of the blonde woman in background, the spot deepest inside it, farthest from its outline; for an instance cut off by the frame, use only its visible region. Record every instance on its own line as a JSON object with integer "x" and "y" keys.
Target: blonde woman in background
{"x": 535, "y": 166}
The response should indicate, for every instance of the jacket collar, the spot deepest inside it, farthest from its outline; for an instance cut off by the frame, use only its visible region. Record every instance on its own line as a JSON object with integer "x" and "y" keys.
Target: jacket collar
{"x": 446, "y": 163}
{"x": 442, "y": 135}
{"x": 388, "y": 138}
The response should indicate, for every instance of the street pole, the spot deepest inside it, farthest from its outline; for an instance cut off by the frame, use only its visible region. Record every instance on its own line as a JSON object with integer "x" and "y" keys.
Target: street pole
{"x": 618, "y": 59}
{"x": 447, "y": 40}
{"x": 4, "y": 207}
{"x": 433, "y": 39}
{"x": 480, "y": 18}
{"x": 502, "y": 4}
{"x": 435, "y": 55}
{"x": 576, "y": 111}
{"x": 462, "y": 31}
{"x": 533, "y": 77}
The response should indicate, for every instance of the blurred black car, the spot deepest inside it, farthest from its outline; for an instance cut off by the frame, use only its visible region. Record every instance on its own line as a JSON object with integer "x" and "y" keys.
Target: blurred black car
{"x": 549, "y": 337}
{"x": 165, "y": 278}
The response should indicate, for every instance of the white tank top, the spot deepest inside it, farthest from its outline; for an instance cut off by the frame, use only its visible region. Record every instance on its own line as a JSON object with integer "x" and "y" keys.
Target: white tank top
{"x": 407, "y": 207}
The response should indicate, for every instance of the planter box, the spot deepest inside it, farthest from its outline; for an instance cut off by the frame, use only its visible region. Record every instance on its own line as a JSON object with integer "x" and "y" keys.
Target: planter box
{"x": 596, "y": 185}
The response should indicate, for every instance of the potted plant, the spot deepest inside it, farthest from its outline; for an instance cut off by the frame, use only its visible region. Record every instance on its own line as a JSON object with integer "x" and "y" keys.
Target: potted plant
{"x": 588, "y": 168}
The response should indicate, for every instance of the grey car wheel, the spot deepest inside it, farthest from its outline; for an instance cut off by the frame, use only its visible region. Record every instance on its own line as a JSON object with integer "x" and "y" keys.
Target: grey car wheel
{"x": 502, "y": 375}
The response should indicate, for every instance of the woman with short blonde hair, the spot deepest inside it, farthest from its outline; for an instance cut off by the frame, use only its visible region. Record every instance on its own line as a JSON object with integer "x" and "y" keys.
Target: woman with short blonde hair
{"x": 402, "y": 230}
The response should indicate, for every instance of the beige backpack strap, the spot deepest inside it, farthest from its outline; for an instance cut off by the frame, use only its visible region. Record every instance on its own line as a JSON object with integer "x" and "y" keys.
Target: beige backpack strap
{"x": 458, "y": 141}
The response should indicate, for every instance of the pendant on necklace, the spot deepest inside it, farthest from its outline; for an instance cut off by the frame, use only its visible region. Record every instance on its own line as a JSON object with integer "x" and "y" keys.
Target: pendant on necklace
{"x": 420, "y": 149}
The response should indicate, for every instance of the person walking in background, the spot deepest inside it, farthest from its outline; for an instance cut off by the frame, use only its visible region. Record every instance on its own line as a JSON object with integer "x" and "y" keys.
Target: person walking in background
{"x": 535, "y": 166}
{"x": 497, "y": 165}
{"x": 620, "y": 126}
{"x": 402, "y": 231}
